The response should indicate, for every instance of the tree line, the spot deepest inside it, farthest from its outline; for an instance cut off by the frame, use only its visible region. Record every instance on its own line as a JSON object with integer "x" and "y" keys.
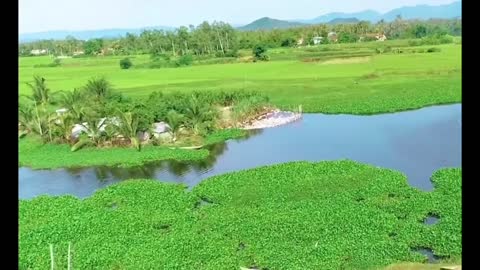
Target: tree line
{"x": 220, "y": 39}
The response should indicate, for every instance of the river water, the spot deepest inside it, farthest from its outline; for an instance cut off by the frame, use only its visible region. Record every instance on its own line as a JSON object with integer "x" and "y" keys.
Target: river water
{"x": 416, "y": 143}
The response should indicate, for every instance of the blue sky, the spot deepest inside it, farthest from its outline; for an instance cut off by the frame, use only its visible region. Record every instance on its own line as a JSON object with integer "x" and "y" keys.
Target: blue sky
{"x": 46, "y": 15}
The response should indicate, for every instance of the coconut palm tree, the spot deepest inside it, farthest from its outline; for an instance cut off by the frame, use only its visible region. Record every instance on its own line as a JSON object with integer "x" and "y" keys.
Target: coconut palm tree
{"x": 42, "y": 123}
{"x": 40, "y": 92}
{"x": 73, "y": 102}
{"x": 99, "y": 88}
{"x": 94, "y": 128}
{"x": 175, "y": 121}
{"x": 25, "y": 116}
{"x": 199, "y": 115}
{"x": 63, "y": 126}
{"x": 128, "y": 128}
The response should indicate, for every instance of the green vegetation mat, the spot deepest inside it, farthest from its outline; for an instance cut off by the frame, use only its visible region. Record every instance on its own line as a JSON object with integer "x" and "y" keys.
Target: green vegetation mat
{"x": 300, "y": 215}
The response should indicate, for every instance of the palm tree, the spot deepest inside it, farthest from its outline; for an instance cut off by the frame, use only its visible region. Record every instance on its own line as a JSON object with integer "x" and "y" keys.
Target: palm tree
{"x": 73, "y": 101}
{"x": 25, "y": 116}
{"x": 199, "y": 115}
{"x": 175, "y": 121}
{"x": 64, "y": 126}
{"x": 99, "y": 88}
{"x": 128, "y": 128}
{"x": 94, "y": 128}
{"x": 42, "y": 123}
{"x": 40, "y": 92}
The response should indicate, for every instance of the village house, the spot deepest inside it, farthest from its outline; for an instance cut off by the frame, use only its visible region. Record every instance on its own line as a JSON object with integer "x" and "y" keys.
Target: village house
{"x": 38, "y": 51}
{"x": 317, "y": 40}
{"x": 332, "y": 37}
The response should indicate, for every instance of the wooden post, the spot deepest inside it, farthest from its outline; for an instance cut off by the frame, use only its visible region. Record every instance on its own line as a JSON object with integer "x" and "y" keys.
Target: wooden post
{"x": 51, "y": 257}
{"x": 69, "y": 260}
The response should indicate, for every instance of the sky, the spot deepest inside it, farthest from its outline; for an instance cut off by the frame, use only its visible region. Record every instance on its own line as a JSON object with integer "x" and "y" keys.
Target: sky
{"x": 48, "y": 15}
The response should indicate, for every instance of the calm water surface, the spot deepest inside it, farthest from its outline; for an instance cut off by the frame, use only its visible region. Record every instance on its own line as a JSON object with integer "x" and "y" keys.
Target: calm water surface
{"x": 416, "y": 143}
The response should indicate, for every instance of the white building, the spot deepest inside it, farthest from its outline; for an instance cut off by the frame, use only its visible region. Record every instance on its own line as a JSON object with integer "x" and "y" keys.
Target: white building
{"x": 38, "y": 51}
{"x": 317, "y": 40}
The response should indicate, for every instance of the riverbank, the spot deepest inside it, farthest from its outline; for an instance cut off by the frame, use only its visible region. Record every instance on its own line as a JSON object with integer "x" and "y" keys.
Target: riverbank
{"x": 34, "y": 154}
{"x": 271, "y": 119}
{"x": 269, "y": 217}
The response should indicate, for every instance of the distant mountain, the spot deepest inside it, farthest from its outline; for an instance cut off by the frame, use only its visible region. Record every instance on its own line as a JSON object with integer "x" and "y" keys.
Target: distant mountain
{"x": 367, "y": 15}
{"x": 426, "y": 12}
{"x": 447, "y": 11}
{"x": 343, "y": 21}
{"x": 86, "y": 34}
{"x": 269, "y": 23}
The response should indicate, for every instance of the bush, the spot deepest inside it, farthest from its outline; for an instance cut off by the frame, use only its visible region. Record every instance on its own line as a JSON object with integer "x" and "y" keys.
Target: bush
{"x": 414, "y": 42}
{"x": 433, "y": 49}
{"x": 125, "y": 63}
{"x": 260, "y": 53}
{"x": 347, "y": 38}
{"x": 223, "y": 60}
{"x": 231, "y": 53}
{"x": 288, "y": 42}
{"x": 56, "y": 62}
{"x": 437, "y": 39}
{"x": 184, "y": 60}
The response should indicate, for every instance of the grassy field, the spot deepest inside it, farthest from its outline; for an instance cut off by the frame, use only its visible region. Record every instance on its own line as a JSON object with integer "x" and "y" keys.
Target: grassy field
{"x": 300, "y": 215}
{"x": 338, "y": 78}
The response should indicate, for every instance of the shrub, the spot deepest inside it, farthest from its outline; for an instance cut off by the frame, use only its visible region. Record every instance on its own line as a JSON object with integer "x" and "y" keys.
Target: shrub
{"x": 288, "y": 42}
{"x": 437, "y": 39}
{"x": 231, "y": 53}
{"x": 184, "y": 60}
{"x": 56, "y": 62}
{"x": 260, "y": 53}
{"x": 414, "y": 42}
{"x": 347, "y": 38}
{"x": 125, "y": 63}
{"x": 433, "y": 49}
